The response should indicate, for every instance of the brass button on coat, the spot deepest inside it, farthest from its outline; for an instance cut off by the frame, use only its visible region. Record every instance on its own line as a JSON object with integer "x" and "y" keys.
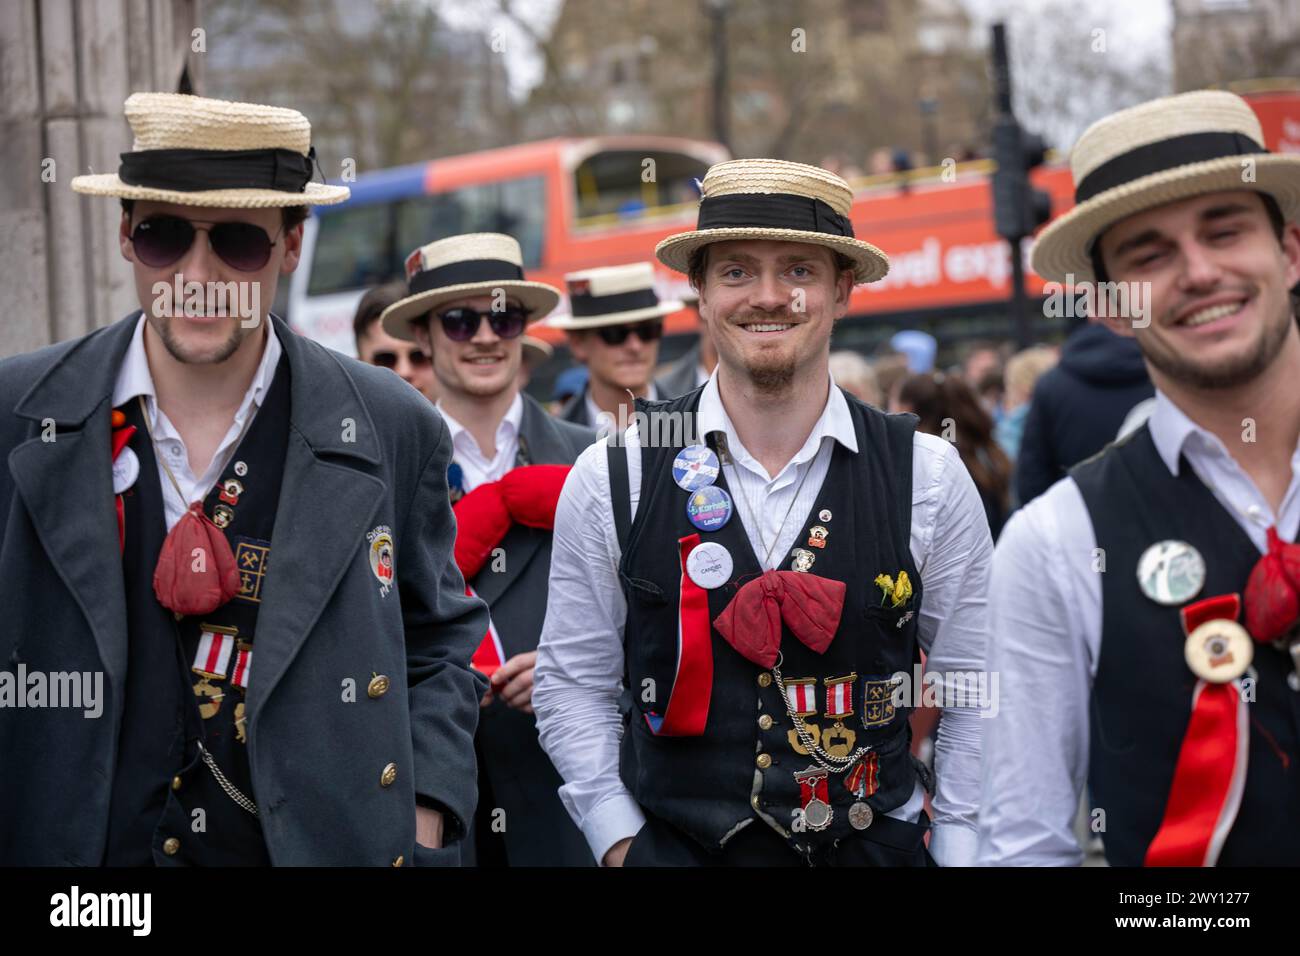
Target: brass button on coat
{"x": 176, "y": 783}
{"x": 171, "y": 846}
{"x": 765, "y": 721}
{"x": 399, "y": 861}
{"x": 378, "y": 686}
{"x": 764, "y": 761}
{"x": 765, "y": 679}
{"x": 388, "y": 776}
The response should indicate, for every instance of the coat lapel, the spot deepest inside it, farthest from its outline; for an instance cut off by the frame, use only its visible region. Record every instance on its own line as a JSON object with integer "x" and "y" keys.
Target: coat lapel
{"x": 66, "y": 484}
{"x": 326, "y": 505}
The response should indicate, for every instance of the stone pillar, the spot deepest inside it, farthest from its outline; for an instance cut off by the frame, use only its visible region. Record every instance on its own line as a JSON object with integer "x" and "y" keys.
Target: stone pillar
{"x": 65, "y": 69}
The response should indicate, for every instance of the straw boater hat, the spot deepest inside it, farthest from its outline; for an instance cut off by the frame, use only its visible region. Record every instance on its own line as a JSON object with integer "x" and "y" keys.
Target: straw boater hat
{"x": 774, "y": 199}
{"x": 477, "y": 263}
{"x": 612, "y": 295}
{"x": 202, "y": 152}
{"x": 1155, "y": 153}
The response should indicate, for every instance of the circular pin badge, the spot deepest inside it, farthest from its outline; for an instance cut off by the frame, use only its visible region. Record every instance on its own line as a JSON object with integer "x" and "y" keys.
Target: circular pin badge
{"x": 241, "y": 469}
{"x": 824, "y": 514}
{"x": 126, "y": 469}
{"x": 709, "y": 565}
{"x": 1171, "y": 572}
{"x": 709, "y": 508}
{"x": 1219, "y": 651}
{"x": 695, "y": 467}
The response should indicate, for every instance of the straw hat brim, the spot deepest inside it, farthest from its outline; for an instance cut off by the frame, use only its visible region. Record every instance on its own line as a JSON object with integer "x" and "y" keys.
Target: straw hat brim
{"x": 870, "y": 264}
{"x": 574, "y": 324}
{"x": 1062, "y": 249}
{"x": 108, "y": 184}
{"x": 537, "y": 298}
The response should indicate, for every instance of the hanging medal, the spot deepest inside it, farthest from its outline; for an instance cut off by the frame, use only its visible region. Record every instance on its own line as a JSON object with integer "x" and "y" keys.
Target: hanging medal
{"x": 814, "y": 795}
{"x": 862, "y": 782}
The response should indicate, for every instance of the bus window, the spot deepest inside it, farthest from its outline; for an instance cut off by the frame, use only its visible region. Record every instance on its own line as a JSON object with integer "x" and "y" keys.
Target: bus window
{"x": 610, "y": 184}
{"x": 354, "y": 249}
{"x": 516, "y": 207}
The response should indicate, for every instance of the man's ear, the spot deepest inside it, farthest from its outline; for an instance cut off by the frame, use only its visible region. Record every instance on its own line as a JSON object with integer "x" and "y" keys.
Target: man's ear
{"x": 292, "y": 250}
{"x": 124, "y": 237}
{"x": 1291, "y": 252}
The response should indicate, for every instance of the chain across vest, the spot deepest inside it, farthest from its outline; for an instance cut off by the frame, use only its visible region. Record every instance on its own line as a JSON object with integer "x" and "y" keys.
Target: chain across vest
{"x": 815, "y": 745}
{"x": 1144, "y": 696}
{"x": 190, "y": 675}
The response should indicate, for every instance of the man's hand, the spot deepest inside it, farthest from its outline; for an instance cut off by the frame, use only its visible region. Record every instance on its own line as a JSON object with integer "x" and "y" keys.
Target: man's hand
{"x": 615, "y": 855}
{"x": 428, "y": 828}
{"x": 513, "y": 683}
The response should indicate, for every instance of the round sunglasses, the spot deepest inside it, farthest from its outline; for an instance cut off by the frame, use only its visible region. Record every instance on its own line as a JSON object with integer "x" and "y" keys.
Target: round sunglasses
{"x": 462, "y": 324}
{"x": 390, "y": 359}
{"x": 645, "y": 331}
{"x": 162, "y": 240}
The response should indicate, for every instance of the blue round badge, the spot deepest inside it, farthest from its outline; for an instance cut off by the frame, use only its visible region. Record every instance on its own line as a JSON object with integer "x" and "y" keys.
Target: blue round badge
{"x": 695, "y": 467}
{"x": 709, "y": 508}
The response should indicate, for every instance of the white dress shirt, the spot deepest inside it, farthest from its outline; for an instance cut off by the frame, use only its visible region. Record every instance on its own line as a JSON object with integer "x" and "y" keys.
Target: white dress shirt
{"x": 134, "y": 378}
{"x": 1046, "y": 636}
{"x": 476, "y": 466}
{"x": 603, "y": 421}
{"x": 580, "y": 656}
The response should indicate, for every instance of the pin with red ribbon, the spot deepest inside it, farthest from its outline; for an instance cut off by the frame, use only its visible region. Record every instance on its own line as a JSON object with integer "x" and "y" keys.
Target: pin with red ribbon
{"x": 1210, "y": 774}
{"x": 814, "y": 795}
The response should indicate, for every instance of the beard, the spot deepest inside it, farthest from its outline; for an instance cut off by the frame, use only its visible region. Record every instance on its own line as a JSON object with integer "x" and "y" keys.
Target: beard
{"x": 162, "y": 324}
{"x": 771, "y": 370}
{"x": 1228, "y": 374}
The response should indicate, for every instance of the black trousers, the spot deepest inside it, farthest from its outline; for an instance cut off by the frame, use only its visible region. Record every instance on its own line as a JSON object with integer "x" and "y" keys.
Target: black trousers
{"x": 887, "y": 842}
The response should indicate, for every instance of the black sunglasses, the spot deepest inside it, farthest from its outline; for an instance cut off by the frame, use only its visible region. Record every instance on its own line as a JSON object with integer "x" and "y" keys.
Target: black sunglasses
{"x": 389, "y": 359}
{"x": 161, "y": 240}
{"x": 646, "y": 331}
{"x": 462, "y": 324}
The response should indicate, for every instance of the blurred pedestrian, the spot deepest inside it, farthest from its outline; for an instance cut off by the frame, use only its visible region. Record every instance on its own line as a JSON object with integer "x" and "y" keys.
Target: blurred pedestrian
{"x": 1022, "y": 373}
{"x": 947, "y": 407}
{"x": 854, "y": 374}
{"x": 1079, "y": 406}
{"x": 377, "y": 347}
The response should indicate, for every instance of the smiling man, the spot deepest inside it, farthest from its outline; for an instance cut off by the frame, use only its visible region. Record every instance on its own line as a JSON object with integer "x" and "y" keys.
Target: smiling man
{"x": 1119, "y": 596}
{"x": 467, "y": 304}
{"x": 728, "y": 618}
{"x": 192, "y": 488}
{"x": 614, "y": 327}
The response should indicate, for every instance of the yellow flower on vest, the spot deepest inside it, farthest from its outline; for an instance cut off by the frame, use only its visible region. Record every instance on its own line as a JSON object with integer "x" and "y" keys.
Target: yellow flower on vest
{"x": 897, "y": 592}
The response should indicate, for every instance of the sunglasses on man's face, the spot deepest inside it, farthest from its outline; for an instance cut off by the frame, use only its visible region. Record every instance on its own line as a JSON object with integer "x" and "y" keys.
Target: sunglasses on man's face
{"x": 462, "y": 324}
{"x": 645, "y": 331}
{"x": 417, "y": 359}
{"x": 162, "y": 240}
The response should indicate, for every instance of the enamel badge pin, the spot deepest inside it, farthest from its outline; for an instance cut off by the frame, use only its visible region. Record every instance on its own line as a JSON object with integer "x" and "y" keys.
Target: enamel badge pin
{"x": 381, "y": 557}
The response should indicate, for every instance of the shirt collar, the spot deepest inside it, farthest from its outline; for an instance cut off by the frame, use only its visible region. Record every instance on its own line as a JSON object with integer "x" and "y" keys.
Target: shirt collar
{"x": 1171, "y": 431}
{"x": 134, "y": 377}
{"x": 506, "y": 430}
{"x": 835, "y": 422}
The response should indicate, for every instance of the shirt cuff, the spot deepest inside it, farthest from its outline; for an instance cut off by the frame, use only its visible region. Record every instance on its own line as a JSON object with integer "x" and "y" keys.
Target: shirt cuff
{"x": 952, "y": 844}
{"x": 614, "y": 819}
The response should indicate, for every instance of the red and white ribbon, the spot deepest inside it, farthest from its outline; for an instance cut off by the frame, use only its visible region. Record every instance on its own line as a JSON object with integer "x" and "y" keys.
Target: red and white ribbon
{"x": 688, "y": 702}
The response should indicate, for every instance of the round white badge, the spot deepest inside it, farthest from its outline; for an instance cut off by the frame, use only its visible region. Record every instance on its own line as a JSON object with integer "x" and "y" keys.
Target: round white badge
{"x": 126, "y": 469}
{"x": 1219, "y": 651}
{"x": 709, "y": 565}
{"x": 1171, "y": 572}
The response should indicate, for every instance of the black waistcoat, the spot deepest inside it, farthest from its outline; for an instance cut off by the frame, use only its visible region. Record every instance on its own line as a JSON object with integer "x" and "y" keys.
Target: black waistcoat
{"x": 742, "y": 769}
{"x": 173, "y": 701}
{"x": 1142, "y": 693}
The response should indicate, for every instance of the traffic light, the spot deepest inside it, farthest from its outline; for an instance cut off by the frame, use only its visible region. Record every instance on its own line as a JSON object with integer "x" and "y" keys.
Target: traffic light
{"x": 1018, "y": 208}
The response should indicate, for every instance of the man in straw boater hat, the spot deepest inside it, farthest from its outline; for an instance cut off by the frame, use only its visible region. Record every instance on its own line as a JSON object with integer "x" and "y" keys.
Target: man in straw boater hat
{"x": 467, "y": 304}
{"x": 756, "y": 588}
{"x": 190, "y": 489}
{"x": 1142, "y": 680}
{"x": 614, "y": 325}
